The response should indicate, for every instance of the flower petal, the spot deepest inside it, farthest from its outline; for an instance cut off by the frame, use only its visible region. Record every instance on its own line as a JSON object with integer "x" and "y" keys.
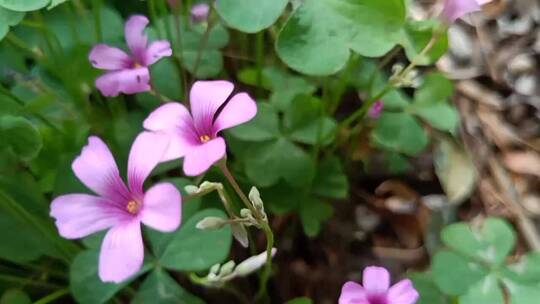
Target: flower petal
{"x": 403, "y": 293}
{"x": 455, "y": 9}
{"x": 174, "y": 120}
{"x": 79, "y": 215}
{"x": 201, "y": 157}
{"x": 135, "y": 37}
{"x": 352, "y": 293}
{"x": 157, "y": 50}
{"x": 162, "y": 207}
{"x": 129, "y": 81}
{"x": 146, "y": 152}
{"x": 376, "y": 279}
{"x": 205, "y": 99}
{"x": 122, "y": 252}
{"x": 96, "y": 168}
{"x": 240, "y": 109}
{"x": 106, "y": 57}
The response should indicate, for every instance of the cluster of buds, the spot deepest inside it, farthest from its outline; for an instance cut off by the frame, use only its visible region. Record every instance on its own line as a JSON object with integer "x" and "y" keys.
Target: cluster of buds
{"x": 404, "y": 78}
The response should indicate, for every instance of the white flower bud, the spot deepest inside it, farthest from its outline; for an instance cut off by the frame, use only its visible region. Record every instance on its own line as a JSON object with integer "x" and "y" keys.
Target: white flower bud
{"x": 191, "y": 189}
{"x": 227, "y": 268}
{"x": 240, "y": 234}
{"x": 252, "y": 264}
{"x": 211, "y": 223}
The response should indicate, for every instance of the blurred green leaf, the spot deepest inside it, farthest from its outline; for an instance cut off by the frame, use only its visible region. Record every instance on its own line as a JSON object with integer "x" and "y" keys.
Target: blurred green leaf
{"x": 399, "y": 132}
{"x": 21, "y": 136}
{"x": 265, "y": 125}
{"x": 312, "y": 214}
{"x": 484, "y": 291}
{"x": 160, "y": 288}
{"x": 302, "y": 300}
{"x": 526, "y": 270}
{"x": 416, "y": 35}
{"x": 455, "y": 274}
{"x": 23, "y": 5}
{"x": 330, "y": 180}
{"x": 85, "y": 284}
{"x": 429, "y": 292}
{"x": 305, "y": 121}
{"x": 269, "y": 161}
{"x": 491, "y": 242}
{"x": 15, "y": 296}
{"x": 189, "y": 248}
{"x": 442, "y": 116}
{"x": 250, "y": 16}
{"x": 15, "y": 245}
{"x": 319, "y": 36}
{"x": 55, "y": 3}
{"x": 523, "y": 294}
{"x": 9, "y": 18}
{"x": 435, "y": 88}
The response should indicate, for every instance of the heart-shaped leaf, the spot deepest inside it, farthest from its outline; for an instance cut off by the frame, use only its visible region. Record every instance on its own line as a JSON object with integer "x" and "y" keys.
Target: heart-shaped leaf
{"x": 455, "y": 274}
{"x": 23, "y": 5}
{"x": 160, "y": 288}
{"x": 320, "y": 34}
{"x": 399, "y": 132}
{"x": 250, "y": 16}
{"x": 486, "y": 291}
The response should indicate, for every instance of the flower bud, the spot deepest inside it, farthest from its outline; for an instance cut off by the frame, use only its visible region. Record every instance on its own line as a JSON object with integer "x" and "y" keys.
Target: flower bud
{"x": 227, "y": 268}
{"x": 252, "y": 264}
{"x": 211, "y": 223}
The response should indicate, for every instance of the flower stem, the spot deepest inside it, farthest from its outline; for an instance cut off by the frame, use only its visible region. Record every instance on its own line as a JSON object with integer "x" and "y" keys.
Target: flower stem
{"x": 203, "y": 43}
{"x": 264, "y": 225}
{"x": 53, "y": 296}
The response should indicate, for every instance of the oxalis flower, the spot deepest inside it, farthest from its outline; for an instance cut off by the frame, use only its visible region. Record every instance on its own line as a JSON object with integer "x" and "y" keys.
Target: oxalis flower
{"x": 376, "y": 289}
{"x": 195, "y": 136}
{"x": 455, "y": 9}
{"x": 128, "y": 74}
{"x": 117, "y": 206}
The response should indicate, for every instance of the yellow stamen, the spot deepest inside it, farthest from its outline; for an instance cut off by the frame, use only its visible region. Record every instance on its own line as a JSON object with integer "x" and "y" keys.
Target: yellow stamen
{"x": 204, "y": 138}
{"x": 137, "y": 65}
{"x": 133, "y": 207}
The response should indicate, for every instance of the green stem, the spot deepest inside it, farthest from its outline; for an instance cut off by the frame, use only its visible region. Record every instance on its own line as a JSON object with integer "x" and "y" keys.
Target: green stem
{"x": 153, "y": 16}
{"x": 53, "y": 296}
{"x": 259, "y": 57}
{"x": 26, "y": 281}
{"x": 96, "y": 10}
{"x": 264, "y": 225}
{"x": 204, "y": 41}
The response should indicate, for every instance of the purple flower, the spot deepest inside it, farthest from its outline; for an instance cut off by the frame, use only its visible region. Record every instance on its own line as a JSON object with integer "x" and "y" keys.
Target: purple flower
{"x": 199, "y": 12}
{"x": 128, "y": 74}
{"x": 118, "y": 207}
{"x": 376, "y": 109}
{"x": 376, "y": 289}
{"x": 455, "y": 9}
{"x": 195, "y": 136}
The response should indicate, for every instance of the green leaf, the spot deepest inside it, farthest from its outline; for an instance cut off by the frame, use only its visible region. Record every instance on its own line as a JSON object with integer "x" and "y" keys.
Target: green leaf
{"x": 312, "y": 214}
{"x": 455, "y": 170}
{"x": 429, "y": 292}
{"x": 281, "y": 198}
{"x": 23, "y": 138}
{"x": 160, "y": 288}
{"x": 416, "y": 35}
{"x": 396, "y": 163}
{"x": 320, "y": 34}
{"x": 523, "y": 294}
{"x": 454, "y": 274}
{"x": 305, "y": 122}
{"x": 23, "y": 5}
{"x": 15, "y": 246}
{"x": 330, "y": 180}
{"x": 55, "y": 3}
{"x": 192, "y": 249}
{"x": 302, "y": 300}
{"x": 9, "y": 18}
{"x": 250, "y": 16}
{"x": 434, "y": 89}
{"x": 441, "y": 116}
{"x": 527, "y": 270}
{"x": 491, "y": 242}
{"x": 272, "y": 160}
{"x": 265, "y": 125}
{"x": 15, "y": 296}
{"x": 85, "y": 284}
{"x": 484, "y": 291}
{"x": 399, "y": 132}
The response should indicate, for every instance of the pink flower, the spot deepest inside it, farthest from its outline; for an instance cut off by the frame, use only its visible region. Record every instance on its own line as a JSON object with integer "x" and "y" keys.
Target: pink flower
{"x": 199, "y": 12}
{"x": 376, "y": 289}
{"x": 118, "y": 207}
{"x": 455, "y": 9}
{"x": 376, "y": 109}
{"x": 195, "y": 136}
{"x": 128, "y": 74}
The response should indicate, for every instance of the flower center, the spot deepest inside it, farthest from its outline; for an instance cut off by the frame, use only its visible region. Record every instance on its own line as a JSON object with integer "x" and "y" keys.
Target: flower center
{"x": 136, "y": 65}
{"x": 133, "y": 206}
{"x": 204, "y": 138}
{"x": 377, "y": 299}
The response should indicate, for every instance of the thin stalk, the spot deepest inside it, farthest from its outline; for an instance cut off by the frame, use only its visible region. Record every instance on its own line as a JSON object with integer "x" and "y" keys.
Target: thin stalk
{"x": 166, "y": 20}
{"x": 26, "y": 281}
{"x": 96, "y": 10}
{"x": 203, "y": 43}
{"x": 180, "y": 52}
{"x": 259, "y": 57}
{"x": 53, "y": 296}
{"x": 153, "y": 16}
